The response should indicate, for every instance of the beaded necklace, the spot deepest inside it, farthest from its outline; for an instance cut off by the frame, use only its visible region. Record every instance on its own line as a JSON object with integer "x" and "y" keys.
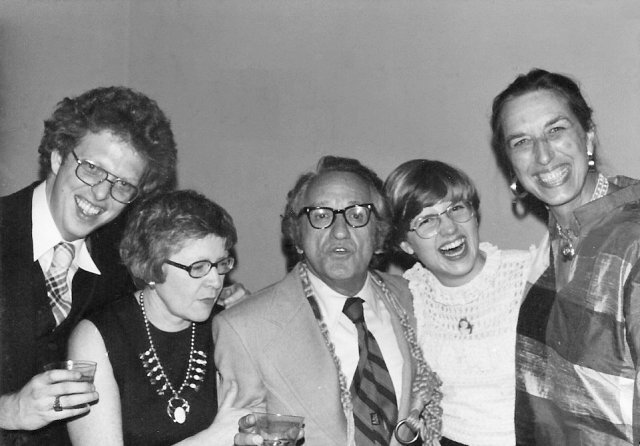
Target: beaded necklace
{"x": 177, "y": 407}
{"x": 425, "y": 416}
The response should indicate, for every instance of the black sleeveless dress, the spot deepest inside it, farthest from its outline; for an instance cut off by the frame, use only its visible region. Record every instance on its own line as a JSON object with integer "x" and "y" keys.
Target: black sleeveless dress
{"x": 144, "y": 413}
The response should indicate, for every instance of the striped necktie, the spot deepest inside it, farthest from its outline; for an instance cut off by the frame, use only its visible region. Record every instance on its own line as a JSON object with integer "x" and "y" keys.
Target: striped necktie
{"x": 375, "y": 410}
{"x": 56, "y": 281}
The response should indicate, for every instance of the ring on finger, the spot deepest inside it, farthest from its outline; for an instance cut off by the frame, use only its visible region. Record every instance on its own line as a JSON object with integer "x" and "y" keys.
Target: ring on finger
{"x": 56, "y": 404}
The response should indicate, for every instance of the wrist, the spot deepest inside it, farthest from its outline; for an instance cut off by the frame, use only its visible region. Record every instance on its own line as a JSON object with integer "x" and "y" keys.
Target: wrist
{"x": 8, "y": 412}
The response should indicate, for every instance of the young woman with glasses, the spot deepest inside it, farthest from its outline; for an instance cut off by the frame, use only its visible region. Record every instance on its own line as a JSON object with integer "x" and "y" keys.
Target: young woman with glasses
{"x": 466, "y": 296}
{"x": 155, "y": 375}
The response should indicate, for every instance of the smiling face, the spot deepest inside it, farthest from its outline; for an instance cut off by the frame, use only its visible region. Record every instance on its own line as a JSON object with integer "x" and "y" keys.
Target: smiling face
{"x": 77, "y": 208}
{"x": 181, "y": 299}
{"x": 452, "y": 254}
{"x": 547, "y": 148}
{"x": 339, "y": 254}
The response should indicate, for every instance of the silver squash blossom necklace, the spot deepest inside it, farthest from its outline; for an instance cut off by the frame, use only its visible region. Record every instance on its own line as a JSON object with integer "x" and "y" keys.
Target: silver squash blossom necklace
{"x": 177, "y": 407}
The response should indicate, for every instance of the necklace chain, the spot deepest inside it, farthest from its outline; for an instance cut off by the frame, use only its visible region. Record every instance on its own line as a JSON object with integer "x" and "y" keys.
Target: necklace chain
{"x": 568, "y": 235}
{"x": 177, "y": 407}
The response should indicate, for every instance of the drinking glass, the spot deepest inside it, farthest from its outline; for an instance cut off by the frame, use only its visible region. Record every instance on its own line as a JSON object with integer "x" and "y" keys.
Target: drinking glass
{"x": 278, "y": 429}
{"x": 87, "y": 368}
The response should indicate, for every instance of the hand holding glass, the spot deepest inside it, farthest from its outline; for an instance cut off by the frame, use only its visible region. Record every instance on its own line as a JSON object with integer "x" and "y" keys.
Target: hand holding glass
{"x": 87, "y": 369}
{"x": 277, "y": 429}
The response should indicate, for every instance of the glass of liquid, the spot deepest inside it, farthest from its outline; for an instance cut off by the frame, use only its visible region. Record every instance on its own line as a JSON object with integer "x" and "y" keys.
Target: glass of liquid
{"x": 87, "y": 368}
{"x": 277, "y": 429}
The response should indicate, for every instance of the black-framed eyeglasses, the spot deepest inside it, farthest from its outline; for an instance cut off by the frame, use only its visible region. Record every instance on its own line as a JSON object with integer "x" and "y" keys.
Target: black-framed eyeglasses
{"x": 202, "y": 267}
{"x": 321, "y": 217}
{"x": 92, "y": 175}
{"x": 427, "y": 226}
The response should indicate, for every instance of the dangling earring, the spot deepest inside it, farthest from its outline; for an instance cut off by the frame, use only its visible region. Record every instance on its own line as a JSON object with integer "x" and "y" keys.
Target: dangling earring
{"x": 591, "y": 161}
{"x": 517, "y": 204}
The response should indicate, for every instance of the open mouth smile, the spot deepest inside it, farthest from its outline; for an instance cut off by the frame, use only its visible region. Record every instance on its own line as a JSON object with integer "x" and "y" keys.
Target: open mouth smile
{"x": 555, "y": 177}
{"x": 87, "y": 208}
{"x": 454, "y": 248}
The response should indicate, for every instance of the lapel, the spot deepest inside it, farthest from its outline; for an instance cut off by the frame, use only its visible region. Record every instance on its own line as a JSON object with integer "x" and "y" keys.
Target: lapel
{"x": 302, "y": 362}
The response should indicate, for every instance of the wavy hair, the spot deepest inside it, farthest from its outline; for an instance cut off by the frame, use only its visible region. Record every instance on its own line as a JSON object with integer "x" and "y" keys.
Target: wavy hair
{"x": 126, "y": 113}
{"x": 159, "y": 226}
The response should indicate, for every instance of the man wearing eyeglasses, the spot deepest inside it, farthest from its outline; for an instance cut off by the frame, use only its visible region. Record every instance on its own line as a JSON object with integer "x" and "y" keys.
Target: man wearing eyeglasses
{"x": 58, "y": 240}
{"x": 333, "y": 341}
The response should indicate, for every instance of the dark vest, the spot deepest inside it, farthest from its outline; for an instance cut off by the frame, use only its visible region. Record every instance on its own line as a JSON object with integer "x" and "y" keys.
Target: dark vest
{"x": 28, "y": 335}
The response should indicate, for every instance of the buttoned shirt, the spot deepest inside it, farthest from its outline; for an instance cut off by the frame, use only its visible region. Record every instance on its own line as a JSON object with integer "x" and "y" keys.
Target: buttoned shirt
{"x": 344, "y": 334}
{"x": 46, "y": 236}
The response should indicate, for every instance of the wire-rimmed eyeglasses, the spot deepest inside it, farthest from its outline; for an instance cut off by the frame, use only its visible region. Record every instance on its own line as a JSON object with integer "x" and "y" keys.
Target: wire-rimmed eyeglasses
{"x": 428, "y": 225}
{"x": 321, "y": 217}
{"x": 92, "y": 175}
{"x": 202, "y": 267}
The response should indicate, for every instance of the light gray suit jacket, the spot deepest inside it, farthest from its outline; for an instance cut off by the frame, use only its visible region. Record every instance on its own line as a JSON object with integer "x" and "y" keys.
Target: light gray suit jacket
{"x": 271, "y": 345}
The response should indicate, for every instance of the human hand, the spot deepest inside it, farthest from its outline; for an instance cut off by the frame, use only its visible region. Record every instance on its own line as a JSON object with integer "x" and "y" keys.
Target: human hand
{"x": 233, "y": 294}
{"x": 247, "y": 432}
{"x": 49, "y": 396}
{"x": 225, "y": 424}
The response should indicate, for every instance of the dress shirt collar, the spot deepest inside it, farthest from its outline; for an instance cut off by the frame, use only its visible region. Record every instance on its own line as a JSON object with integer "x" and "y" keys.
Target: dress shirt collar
{"x": 622, "y": 190}
{"x": 45, "y": 234}
{"x": 331, "y": 302}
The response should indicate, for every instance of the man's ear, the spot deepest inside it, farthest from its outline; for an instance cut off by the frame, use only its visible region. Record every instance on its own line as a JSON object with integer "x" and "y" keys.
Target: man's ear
{"x": 406, "y": 247}
{"x": 56, "y": 161}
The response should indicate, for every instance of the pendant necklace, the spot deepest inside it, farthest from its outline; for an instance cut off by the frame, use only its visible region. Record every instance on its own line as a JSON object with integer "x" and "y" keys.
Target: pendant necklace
{"x": 568, "y": 235}
{"x": 177, "y": 407}
{"x": 566, "y": 246}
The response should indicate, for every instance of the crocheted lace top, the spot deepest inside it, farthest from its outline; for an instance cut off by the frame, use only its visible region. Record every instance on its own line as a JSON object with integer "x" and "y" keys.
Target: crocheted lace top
{"x": 468, "y": 337}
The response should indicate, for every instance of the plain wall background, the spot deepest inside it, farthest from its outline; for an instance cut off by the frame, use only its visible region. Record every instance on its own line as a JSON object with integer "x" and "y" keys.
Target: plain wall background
{"x": 258, "y": 90}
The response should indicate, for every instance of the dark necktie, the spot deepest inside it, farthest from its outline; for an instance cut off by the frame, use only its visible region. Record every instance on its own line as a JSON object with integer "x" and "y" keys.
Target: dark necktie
{"x": 375, "y": 410}
{"x": 56, "y": 280}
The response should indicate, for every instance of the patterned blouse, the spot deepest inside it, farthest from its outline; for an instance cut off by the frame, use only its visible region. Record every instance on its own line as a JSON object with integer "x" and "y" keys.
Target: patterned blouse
{"x": 578, "y": 348}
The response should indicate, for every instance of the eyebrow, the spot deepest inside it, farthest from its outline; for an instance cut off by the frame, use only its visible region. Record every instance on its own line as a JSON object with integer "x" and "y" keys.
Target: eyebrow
{"x": 551, "y": 122}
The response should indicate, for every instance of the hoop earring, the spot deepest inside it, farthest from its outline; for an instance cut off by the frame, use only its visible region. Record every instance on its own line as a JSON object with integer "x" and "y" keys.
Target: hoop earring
{"x": 518, "y": 192}
{"x": 517, "y": 203}
{"x": 591, "y": 161}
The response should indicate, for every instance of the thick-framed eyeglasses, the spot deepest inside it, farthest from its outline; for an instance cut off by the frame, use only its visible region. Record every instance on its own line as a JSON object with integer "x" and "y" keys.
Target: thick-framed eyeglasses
{"x": 202, "y": 267}
{"x": 356, "y": 215}
{"x": 92, "y": 175}
{"x": 427, "y": 226}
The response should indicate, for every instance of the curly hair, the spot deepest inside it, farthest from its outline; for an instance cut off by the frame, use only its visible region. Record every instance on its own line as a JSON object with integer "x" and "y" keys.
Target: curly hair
{"x": 290, "y": 221}
{"x": 535, "y": 80}
{"x": 159, "y": 226}
{"x": 126, "y": 113}
{"x": 421, "y": 183}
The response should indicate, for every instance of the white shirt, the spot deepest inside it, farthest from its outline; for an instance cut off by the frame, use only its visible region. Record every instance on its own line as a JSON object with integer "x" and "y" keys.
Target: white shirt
{"x": 344, "y": 334}
{"x": 45, "y": 236}
{"x": 477, "y": 364}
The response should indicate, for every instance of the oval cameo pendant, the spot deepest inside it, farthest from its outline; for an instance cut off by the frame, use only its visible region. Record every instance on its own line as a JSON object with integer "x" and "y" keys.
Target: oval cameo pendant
{"x": 177, "y": 409}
